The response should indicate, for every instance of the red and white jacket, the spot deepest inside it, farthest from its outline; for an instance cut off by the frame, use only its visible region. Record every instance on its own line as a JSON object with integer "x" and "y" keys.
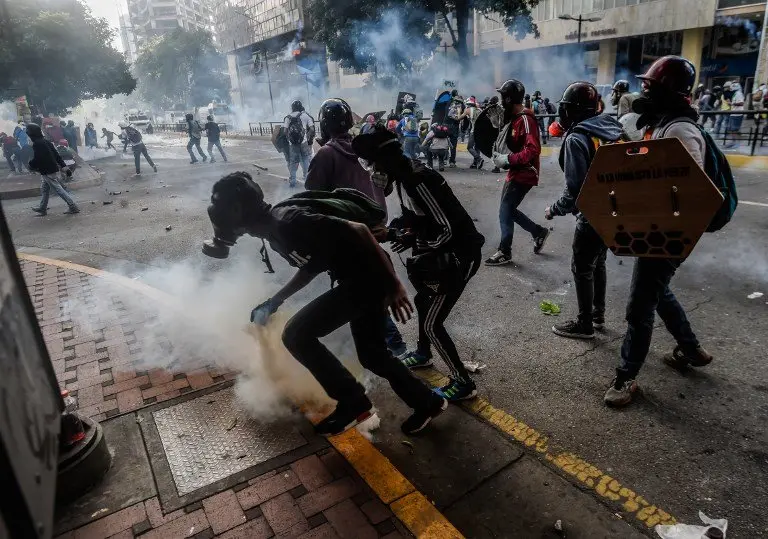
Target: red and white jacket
{"x": 519, "y": 139}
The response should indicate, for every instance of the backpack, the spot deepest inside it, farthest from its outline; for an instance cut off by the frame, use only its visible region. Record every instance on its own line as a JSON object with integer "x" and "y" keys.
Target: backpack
{"x": 296, "y": 133}
{"x": 411, "y": 124}
{"x": 344, "y": 203}
{"x": 551, "y": 109}
{"x": 719, "y": 171}
{"x": 440, "y": 131}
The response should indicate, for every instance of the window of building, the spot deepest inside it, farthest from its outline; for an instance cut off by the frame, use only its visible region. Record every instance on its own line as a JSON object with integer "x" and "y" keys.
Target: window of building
{"x": 164, "y": 10}
{"x": 166, "y": 23}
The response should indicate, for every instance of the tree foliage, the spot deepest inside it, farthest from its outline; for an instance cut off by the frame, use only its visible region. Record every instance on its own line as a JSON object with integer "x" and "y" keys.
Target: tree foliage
{"x": 57, "y": 54}
{"x": 182, "y": 67}
{"x": 398, "y": 33}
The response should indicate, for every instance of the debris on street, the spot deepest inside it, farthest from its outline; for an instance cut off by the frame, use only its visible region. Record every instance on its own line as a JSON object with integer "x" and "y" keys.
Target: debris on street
{"x": 145, "y": 208}
{"x": 169, "y": 227}
{"x": 755, "y": 295}
{"x": 549, "y": 308}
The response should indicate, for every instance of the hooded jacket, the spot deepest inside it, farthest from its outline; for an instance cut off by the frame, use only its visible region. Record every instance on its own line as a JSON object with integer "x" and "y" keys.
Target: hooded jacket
{"x": 46, "y": 159}
{"x": 520, "y": 140}
{"x": 335, "y": 165}
{"x": 576, "y": 155}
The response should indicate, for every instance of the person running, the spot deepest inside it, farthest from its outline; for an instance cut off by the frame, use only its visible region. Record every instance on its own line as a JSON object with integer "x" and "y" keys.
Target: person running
{"x": 213, "y": 132}
{"x": 305, "y": 234}
{"x": 109, "y": 135}
{"x": 665, "y": 112}
{"x": 132, "y": 136}
{"x": 195, "y": 132}
{"x": 446, "y": 251}
{"x": 585, "y": 129}
{"x": 48, "y": 163}
{"x": 437, "y": 143}
{"x": 300, "y": 130}
{"x": 517, "y": 150}
{"x": 455, "y": 110}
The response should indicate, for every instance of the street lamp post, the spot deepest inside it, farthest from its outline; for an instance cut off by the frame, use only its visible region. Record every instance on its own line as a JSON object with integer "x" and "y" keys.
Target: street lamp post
{"x": 580, "y": 19}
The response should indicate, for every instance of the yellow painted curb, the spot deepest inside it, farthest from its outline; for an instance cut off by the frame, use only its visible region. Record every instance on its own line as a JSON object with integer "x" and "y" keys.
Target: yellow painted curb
{"x": 547, "y": 151}
{"x": 759, "y": 162}
{"x": 410, "y": 506}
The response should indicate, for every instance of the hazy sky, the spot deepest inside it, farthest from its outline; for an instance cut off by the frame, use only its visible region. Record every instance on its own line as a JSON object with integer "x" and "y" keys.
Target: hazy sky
{"x": 108, "y": 10}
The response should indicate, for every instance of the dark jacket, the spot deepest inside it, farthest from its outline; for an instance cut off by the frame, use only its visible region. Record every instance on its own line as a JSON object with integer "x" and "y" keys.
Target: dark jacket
{"x": 522, "y": 141}
{"x": 335, "y": 165}
{"x": 576, "y": 155}
{"x": 46, "y": 159}
{"x": 213, "y": 130}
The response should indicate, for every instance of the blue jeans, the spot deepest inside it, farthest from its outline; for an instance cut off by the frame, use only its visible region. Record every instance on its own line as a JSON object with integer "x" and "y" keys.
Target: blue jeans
{"x": 650, "y": 293}
{"x": 411, "y": 147}
{"x": 49, "y": 181}
{"x": 395, "y": 341}
{"x": 299, "y": 153}
{"x": 719, "y": 123}
{"x": 511, "y": 197}
{"x": 589, "y": 275}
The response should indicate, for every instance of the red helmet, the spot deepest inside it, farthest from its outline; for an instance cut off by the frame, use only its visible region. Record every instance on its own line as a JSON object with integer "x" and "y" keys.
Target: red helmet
{"x": 675, "y": 74}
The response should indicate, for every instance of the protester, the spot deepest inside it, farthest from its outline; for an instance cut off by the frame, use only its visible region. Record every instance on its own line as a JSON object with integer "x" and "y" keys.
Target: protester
{"x": 517, "y": 150}
{"x": 527, "y": 101}
{"x": 300, "y": 130}
{"x": 409, "y": 102}
{"x": 70, "y": 134}
{"x": 11, "y": 152}
{"x": 195, "y": 132}
{"x": 408, "y": 130}
{"x": 737, "y": 104}
{"x": 20, "y": 134}
{"x": 455, "y": 109}
{"x": 665, "y": 112}
{"x": 367, "y": 127}
{"x": 725, "y": 106}
{"x": 48, "y": 163}
{"x": 470, "y": 114}
{"x": 539, "y": 109}
{"x": 90, "y": 137}
{"x": 304, "y": 232}
{"x": 109, "y": 135}
{"x": 132, "y": 136}
{"x": 585, "y": 128}
{"x": 446, "y": 251}
{"x": 621, "y": 97}
{"x": 437, "y": 143}
{"x": 213, "y": 132}
{"x": 68, "y": 156}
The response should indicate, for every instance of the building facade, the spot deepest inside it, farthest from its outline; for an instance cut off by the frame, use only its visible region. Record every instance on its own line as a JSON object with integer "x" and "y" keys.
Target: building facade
{"x": 153, "y": 18}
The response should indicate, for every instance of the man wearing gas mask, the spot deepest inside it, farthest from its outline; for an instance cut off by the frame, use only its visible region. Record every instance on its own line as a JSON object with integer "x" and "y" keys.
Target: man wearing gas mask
{"x": 446, "y": 251}
{"x": 312, "y": 232}
{"x": 585, "y": 130}
{"x": 622, "y": 98}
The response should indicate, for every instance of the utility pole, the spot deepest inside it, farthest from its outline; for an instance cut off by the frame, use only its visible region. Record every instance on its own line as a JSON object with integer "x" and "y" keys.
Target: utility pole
{"x": 269, "y": 82}
{"x": 445, "y": 56}
{"x": 580, "y": 19}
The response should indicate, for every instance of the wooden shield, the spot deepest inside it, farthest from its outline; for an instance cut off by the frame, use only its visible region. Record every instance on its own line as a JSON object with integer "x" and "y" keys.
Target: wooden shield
{"x": 648, "y": 198}
{"x": 487, "y": 127}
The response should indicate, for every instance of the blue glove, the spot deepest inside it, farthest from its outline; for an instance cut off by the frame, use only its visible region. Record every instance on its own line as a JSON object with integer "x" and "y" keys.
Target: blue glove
{"x": 261, "y": 313}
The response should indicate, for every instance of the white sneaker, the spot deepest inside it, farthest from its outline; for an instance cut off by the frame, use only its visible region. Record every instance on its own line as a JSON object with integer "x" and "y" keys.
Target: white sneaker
{"x": 621, "y": 396}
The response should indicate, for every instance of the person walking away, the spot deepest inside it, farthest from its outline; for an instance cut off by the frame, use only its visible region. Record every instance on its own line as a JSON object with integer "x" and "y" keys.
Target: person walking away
{"x": 300, "y": 130}
{"x": 408, "y": 129}
{"x": 195, "y": 132}
{"x": 132, "y": 136}
{"x": 213, "y": 131}
{"x": 70, "y": 133}
{"x": 90, "y": 137}
{"x": 336, "y": 166}
{"x": 725, "y": 106}
{"x": 517, "y": 150}
{"x": 47, "y": 161}
{"x": 314, "y": 242}
{"x": 437, "y": 143}
{"x": 585, "y": 131}
{"x": 734, "y": 120}
{"x": 705, "y": 106}
{"x": 539, "y": 109}
{"x": 109, "y": 135}
{"x": 471, "y": 113}
{"x": 455, "y": 109}
{"x": 446, "y": 252}
{"x": 665, "y": 112}
{"x": 11, "y": 152}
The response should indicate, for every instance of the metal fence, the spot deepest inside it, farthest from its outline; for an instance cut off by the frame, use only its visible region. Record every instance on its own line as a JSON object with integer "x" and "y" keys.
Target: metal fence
{"x": 181, "y": 127}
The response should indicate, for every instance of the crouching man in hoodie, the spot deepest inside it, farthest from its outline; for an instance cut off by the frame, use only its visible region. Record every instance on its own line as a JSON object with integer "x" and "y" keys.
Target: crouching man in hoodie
{"x": 336, "y": 165}
{"x": 585, "y": 130}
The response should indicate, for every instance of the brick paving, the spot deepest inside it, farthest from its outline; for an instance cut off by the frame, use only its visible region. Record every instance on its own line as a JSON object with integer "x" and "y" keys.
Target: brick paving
{"x": 98, "y": 355}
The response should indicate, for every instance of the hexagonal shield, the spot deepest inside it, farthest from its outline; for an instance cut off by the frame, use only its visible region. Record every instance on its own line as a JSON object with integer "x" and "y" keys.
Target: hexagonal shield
{"x": 648, "y": 189}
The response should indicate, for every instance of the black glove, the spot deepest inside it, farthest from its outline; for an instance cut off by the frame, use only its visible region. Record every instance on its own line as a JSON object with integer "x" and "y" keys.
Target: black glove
{"x": 403, "y": 241}
{"x": 261, "y": 313}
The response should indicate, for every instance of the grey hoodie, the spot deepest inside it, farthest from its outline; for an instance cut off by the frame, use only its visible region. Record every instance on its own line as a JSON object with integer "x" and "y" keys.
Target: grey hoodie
{"x": 576, "y": 155}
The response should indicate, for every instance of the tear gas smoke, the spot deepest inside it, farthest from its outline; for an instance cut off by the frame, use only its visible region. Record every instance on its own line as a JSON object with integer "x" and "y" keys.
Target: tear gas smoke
{"x": 737, "y": 22}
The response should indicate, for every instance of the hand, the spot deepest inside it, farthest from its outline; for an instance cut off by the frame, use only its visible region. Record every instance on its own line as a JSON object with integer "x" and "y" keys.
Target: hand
{"x": 380, "y": 232}
{"x": 500, "y": 160}
{"x": 261, "y": 313}
{"x": 403, "y": 240}
{"x": 548, "y": 215}
{"x": 399, "y": 304}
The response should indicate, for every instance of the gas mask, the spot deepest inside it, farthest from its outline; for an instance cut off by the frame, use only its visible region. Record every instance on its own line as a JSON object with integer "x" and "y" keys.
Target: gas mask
{"x": 378, "y": 178}
{"x": 227, "y": 228}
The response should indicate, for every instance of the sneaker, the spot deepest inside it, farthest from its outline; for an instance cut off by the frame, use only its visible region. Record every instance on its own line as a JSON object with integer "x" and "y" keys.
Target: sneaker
{"x": 205, "y": 159}
{"x": 72, "y": 210}
{"x": 573, "y": 329}
{"x": 344, "y": 417}
{"x": 620, "y": 393}
{"x": 457, "y": 391}
{"x": 498, "y": 259}
{"x": 451, "y": 165}
{"x": 540, "y": 240}
{"x": 681, "y": 360}
{"x": 154, "y": 167}
{"x": 598, "y": 322}
{"x": 421, "y": 418}
{"x": 473, "y": 165}
{"x": 416, "y": 360}
{"x": 39, "y": 211}
{"x": 193, "y": 162}
{"x": 225, "y": 159}
{"x": 480, "y": 164}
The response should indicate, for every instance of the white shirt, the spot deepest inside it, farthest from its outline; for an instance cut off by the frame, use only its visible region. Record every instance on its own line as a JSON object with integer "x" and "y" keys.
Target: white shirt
{"x": 306, "y": 119}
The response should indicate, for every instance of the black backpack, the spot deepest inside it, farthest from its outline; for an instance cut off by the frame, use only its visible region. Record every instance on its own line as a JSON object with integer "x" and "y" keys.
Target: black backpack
{"x": 344, "y": 203}
{"x": 296, "y": 133}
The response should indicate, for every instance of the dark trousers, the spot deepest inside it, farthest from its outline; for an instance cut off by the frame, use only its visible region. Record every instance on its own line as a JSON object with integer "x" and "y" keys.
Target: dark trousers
{"x": 138, "y": 151}
{"x": 362, "y": 307}
{"x": 477, "y": 157}
{"x": 433, "y": 310}
{"x": 11, "y": 164}
{"x": 211, "y": 144}
{"x": 453, "y": 136}
{"x": 543, "y": 130}
{"x": 589, "y": 275}
{"x": 650, "y": 292}
{"x": 195, "y": 143}
{"x": 440, "y": 154}
{"x": 511, "y": 197}
{"x": 393, "y": 336}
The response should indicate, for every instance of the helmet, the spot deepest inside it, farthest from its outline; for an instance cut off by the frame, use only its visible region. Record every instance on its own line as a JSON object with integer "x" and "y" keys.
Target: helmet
{"x": 122, "y": 125}
{"x": 512, "y": 91}
{"x": 296, "y": 106}
{"x": 621, "y": 86}
{"x": 717, "y": 89}
{"x": 407, "y": 111}
{"x": 34, "y": 131}
{"x": 537, "y": 94}
{"x": 580, "y": 101}
{"x": 189, "y": 117}
{"x": 335, "y": 118}
{"x": 674, "y": 74}
{"x": 454, "y": 92}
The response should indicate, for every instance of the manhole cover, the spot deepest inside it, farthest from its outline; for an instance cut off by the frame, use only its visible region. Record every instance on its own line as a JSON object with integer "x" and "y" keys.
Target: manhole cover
{"x": 210, "y": 438}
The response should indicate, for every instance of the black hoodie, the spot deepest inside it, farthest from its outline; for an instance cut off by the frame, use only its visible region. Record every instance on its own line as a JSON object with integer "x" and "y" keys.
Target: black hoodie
{"x": 46, "y": 159}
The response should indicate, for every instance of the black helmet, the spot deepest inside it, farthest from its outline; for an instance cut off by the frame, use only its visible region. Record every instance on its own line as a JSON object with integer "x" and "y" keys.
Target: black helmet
{"x": 296, "y": 106}
{"x": 580, "y": 100}
{"x": 188, "y": 117}
{"x": 34, "y": 131}
{"x": 335, "y": 118}
{"x": 672, "y": 74}
{"x": 512, "y": 92}
{"x": 717, "y": 89}
{"x": 537, "y": 94}
{"x": 621, "y": 86}
{"x": 454, "y": 92}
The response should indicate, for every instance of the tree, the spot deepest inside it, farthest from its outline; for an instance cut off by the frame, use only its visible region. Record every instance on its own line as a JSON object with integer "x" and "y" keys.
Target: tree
{"x": 182, "y": 67}
{"x": 57, "y": 54}
{"x": 401, "y": 32}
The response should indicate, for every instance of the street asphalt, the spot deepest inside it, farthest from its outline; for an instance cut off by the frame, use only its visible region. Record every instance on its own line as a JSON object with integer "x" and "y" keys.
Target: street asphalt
{"x": 690, "y": 442}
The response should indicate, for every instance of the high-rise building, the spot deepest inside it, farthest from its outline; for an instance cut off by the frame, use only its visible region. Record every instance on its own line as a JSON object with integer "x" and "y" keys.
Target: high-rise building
{"x": 151, "y": 18}
{"x": 128, "y": 38}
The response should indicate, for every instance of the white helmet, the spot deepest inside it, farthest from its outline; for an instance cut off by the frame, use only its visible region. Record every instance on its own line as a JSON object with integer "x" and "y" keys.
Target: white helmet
{"x": 629, "y": 126}
{"x": 122, "y": 125}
